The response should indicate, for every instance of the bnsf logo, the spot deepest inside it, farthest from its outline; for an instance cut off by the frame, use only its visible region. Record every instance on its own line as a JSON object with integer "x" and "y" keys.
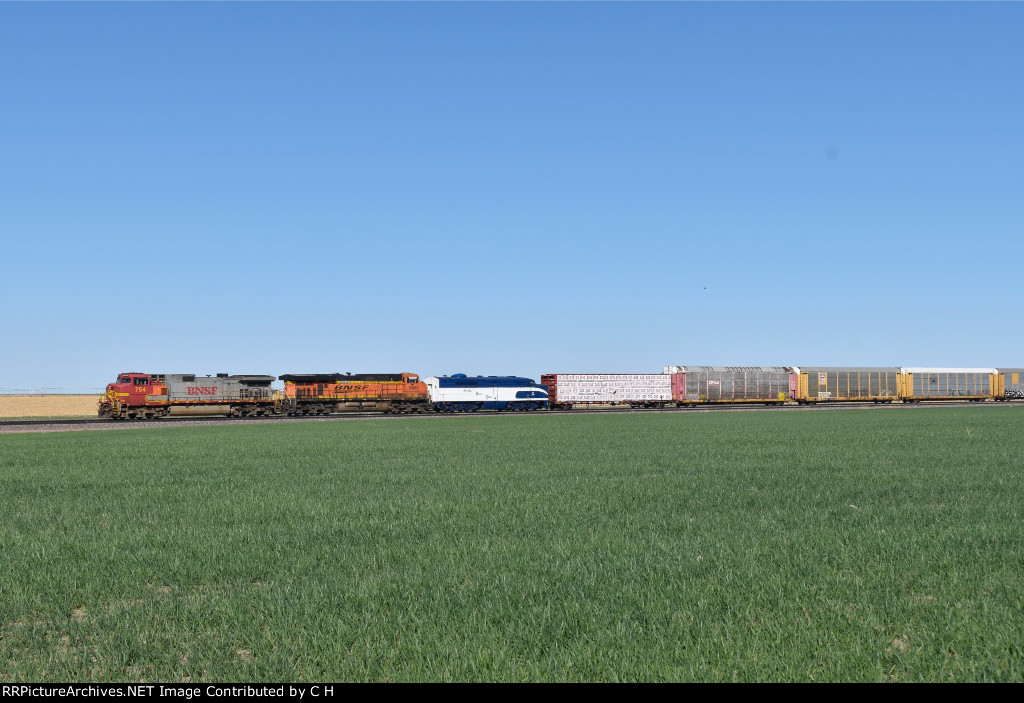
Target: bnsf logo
{"x": 202, "y": 390}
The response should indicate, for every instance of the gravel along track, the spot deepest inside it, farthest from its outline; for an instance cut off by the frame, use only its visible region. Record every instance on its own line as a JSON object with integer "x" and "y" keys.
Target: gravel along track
{"x": 21, "y": 426}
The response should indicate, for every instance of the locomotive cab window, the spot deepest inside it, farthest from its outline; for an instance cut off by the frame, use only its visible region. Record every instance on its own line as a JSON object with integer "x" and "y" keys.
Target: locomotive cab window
{"x": 413, "y": 379}
{"x": 141, "y": 381}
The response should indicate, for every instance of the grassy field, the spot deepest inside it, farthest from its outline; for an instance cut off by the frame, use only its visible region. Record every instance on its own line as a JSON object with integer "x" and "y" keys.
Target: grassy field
{"x": 868, "y": 545}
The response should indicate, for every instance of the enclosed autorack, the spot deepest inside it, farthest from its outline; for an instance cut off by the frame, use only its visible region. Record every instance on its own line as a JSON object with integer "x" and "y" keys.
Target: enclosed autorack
{"x": 692, "y": 385}
{"x": 920, "y": 383}
{"x": 826, "y": 384}
{"x": 566, "y": 390}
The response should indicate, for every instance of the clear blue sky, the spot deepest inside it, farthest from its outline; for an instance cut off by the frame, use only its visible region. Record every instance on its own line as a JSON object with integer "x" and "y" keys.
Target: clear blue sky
{"x": 508, "y": 188}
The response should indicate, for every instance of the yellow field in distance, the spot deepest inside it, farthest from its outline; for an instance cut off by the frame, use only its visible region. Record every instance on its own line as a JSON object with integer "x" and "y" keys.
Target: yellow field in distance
{"x": 48, "y": 405}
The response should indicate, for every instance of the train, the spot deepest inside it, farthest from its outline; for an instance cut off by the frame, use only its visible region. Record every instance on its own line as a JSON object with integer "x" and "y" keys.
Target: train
{"x": 135, "y": 395}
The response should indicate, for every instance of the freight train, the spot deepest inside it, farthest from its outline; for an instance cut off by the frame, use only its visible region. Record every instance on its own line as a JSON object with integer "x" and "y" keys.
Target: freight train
{"x": 149, "y": 396}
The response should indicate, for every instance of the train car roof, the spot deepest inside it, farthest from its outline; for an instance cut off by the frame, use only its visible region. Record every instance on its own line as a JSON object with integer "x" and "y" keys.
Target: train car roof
{"x": 247, "y": 377}
{"x": 610, "y": 373}
{"x": 762, "y": 369}
{"x": 343, "y": 377}
{"x": 469, "y": 381}
{"x": 845, "y": 369}
{"x": 925, "y": 369}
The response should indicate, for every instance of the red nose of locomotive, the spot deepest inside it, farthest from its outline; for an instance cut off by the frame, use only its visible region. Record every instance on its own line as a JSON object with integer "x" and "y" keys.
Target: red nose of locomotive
{"x": 134, "y": 395}
{"x": 116, "y": 396}
{"x": 123, "y": 387}
{"x": 123, "y": 384}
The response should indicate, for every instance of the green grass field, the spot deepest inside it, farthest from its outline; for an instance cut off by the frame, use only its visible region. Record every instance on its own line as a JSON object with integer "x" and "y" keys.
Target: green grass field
{"x": 867, "y": 545}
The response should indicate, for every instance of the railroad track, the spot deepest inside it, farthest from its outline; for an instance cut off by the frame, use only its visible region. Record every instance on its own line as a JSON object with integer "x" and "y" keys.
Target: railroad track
{"x": 45, "y": 425}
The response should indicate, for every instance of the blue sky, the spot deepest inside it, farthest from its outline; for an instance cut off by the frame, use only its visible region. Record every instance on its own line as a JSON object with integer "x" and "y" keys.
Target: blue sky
{"x": 508, "y": 188}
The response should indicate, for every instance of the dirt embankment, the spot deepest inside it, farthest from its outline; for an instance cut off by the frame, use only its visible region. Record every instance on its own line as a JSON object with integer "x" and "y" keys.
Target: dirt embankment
{"x": 48, "y": 405}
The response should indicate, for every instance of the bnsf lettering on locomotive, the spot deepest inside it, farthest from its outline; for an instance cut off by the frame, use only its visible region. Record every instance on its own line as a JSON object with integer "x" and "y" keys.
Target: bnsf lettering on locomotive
{"x": 202, "y": 390}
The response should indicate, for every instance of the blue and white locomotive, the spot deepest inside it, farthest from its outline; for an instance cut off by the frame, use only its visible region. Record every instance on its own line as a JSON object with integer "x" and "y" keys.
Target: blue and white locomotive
{"x": 462, "y": 393}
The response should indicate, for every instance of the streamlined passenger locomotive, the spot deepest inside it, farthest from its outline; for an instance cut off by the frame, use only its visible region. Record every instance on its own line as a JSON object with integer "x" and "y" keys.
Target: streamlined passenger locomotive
{"x": 462, "y": 393}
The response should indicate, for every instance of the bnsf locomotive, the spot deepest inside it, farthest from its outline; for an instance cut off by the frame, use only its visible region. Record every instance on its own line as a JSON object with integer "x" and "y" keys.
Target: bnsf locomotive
{"x": 148, "y": 396}
{"x": 326, "y": 393}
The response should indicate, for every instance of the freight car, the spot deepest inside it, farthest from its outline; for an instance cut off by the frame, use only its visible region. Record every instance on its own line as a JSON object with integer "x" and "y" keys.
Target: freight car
{"x": 148, "y": 396}
{"x": 638, "y": 390}
{"x": 1011, "y": 383}
{"x": 326, "y": 393}
{"x": 694, "y": 385}
{"x": 828, "y": 384}
{"x": 462, "y": 393}
{"x": 917, "y": 384}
